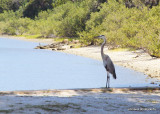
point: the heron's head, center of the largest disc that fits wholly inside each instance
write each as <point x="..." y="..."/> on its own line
<point x="100" y="37"/>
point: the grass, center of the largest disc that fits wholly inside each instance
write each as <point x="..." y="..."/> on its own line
<point x="123" y="49"/>
<point x="30" y="36"/>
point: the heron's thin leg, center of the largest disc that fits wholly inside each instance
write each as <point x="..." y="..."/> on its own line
<point x="107" y="83"/>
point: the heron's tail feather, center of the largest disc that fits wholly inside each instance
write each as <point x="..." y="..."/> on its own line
<point x="114" y="75"/>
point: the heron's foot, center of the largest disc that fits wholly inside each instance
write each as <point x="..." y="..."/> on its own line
<point x="107" y="87"/>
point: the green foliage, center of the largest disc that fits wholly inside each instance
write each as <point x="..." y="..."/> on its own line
<point x="43" y="14"/>
<point x="35" y="6"/>
<point x="6" y="5"/>
<point x="95" y="25"/>
<point x="7" y="15"/>
<point x="16" y="26"/>
<point x="137" y="28"/>
<point x="2" y="27"/>
<point x="65" y="20"/>
<point x="125" y="27"/>
<point x="72" y="19"/>
<point x="57" y="3"/>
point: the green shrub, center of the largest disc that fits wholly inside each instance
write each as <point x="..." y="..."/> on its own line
<point x="137" y="28"/>
<point x="17" y="26"/>
<point x="2" y="27"/>
<point x="7" y="15"/>
<point x="74" y="21"/>
<point x="100" y="21"/>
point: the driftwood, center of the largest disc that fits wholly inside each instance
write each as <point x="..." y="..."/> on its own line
<point x="65" y="44"/>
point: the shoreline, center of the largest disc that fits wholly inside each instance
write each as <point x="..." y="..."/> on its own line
<point x="73" y="92"/>
<point x="136" y="60"/>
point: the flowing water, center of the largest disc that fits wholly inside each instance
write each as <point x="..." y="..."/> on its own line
<point x="25" y="68"/>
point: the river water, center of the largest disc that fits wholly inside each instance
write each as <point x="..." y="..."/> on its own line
<point x="24" y="68"/>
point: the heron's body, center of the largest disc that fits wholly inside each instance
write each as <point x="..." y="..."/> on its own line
<point x="109" y="66"/>
<point x="107" y="62"/>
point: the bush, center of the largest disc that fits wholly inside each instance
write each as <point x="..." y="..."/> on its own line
<point x="136" y="28"/>
<point x="68" y="19"/>
<point x="74" y="21"/>
<point x="35" y="6"/>
<point x="7" y="15"/>
<point x="17" y="27"/>
<point x="99" y="22"/>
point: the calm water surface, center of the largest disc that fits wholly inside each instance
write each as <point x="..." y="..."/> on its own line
<point x="25" y="68"/>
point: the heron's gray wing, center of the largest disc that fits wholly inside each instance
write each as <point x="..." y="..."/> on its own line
<point x="109" y="65"/>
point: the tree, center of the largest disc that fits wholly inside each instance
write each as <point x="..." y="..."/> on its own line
<point x="35" y="6"/>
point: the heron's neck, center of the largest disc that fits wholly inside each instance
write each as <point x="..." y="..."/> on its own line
<point x="102" y="47"/>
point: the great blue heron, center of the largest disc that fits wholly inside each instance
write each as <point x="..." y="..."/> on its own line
<point x="107" y="62"/>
